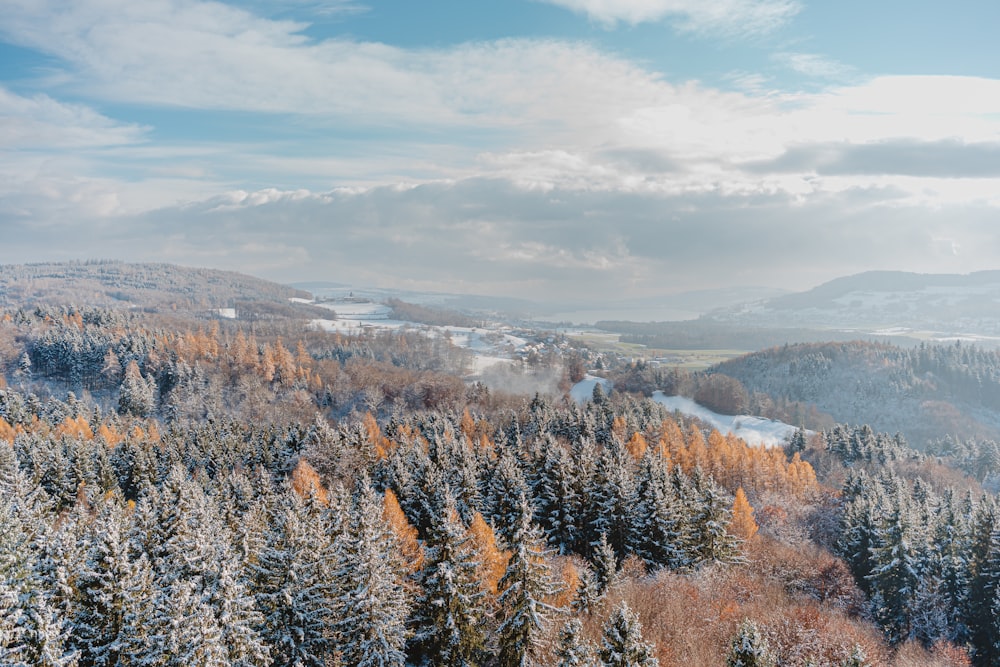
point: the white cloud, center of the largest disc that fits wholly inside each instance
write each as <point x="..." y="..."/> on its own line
<point x="722" y="17"/>
<point x="813" y="65"/>
<point x="40" y="122"/>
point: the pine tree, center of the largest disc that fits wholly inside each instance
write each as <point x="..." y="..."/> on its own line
<point x="505" y="486"/>
<point x="588" y="594"/>
<point x="371" y="606"/>
<point x="663" y="535"/>
<point x="622" y="644"/>
<point x="137" y="394"/>
<point x="749" y="648"/>
<point x="615" y="499"/>
<point x="711" y="541"/>
<point x="524" y="587"/>
<point x="573" y="650"/>
<point x="556" y="499"/>
<point x="105" y="589"/>
<point x="294" y="586"/>
<point x="605" y="565"/>
<point x="895" y="572"/>
<point x="448" y="615"/>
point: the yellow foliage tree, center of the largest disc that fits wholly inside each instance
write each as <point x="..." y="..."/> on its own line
<point x="406" y="535"/>
<point x="379" y="443"/>
<point x="637" y="446"/>
<point x="7" y="431"/>
<point x="305" y="482"/>
<point x="742" y="524"/>
<point x="110" y="436"/>
<point x="492" y="561"/>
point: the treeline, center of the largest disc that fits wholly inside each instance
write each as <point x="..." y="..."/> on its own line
<point x="708" y="334"/>
<point x="106" y="282"/>
<point x="440" y="317"/>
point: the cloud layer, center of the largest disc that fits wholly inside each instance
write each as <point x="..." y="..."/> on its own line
<point x="545" y="165"/>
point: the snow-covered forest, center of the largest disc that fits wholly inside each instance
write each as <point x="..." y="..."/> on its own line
<point x="176" y="490"/>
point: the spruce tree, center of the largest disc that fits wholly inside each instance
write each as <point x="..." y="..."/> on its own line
<point x="371" y="606"/>
<point x="573" y="649"/>
<point x="448" y="615"/>
<point x="622" y="644"/>
<point x="749" y="648"/>
<point x="524" y="587"/>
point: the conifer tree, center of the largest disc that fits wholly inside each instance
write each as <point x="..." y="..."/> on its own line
<point x="605" y="565"/>
<point x="588" y="594"/>
<point x="857" y="658"/>
<point x="448" y="614"/>
<point x="712" y="541"/>
<point x="615" y="499"/>
<point x="661" y="529"/>
<point x="525" y="586"/>
<point x="742" y="523"/>
<point x="573" y="649"/>
<point x="106" y="591"/>
<point x="622" y="644"/>
<point x="749" y="648"/>
<point x="371" y="606"/>
<point x="294" y="588"/>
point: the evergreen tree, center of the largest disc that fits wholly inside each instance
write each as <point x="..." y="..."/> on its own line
<point x="749" y="648"/>
<point x="662" y="532"/>
<point x="605" y="566"/>
<point x="371" y="606"/>
<point x="524" y="587"/>
<point x="136" y="396"/>
<point x="857" y="658"/>
<point x="105" y="590"/>
<point x="895" y="572"/>
<point x="294" y="588"/>
<point x="573" y="650"/>
<point x="711" y="540"/>
<point x="448" y="615"/>
<point x="615" y="499"/>
<point x="622" y="644"/>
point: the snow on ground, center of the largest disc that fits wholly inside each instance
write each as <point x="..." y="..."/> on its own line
<point x="754" y="430"/>
<point x="489" y="347"/>
<point x="358" y="310"/>
<point x="356" y="326"/>
<point x="583" y="390"/>
<point x="295" y="299"/>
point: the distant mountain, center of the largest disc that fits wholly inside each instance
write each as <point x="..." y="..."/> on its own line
<point x="884" y="301"/>
<point x="111" y="283"/>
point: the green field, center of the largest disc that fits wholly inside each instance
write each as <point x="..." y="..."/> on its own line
<point x="687" y="359"/>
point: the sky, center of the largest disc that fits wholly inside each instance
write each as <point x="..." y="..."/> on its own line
<point x="544" y="149"/>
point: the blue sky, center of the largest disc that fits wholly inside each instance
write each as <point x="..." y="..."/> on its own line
<point x="563" y="149"/>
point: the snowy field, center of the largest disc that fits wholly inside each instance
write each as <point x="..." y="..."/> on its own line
<point x="583" y="390"/>
<point x="754" y="430"/>
<point x="490" y="346"/>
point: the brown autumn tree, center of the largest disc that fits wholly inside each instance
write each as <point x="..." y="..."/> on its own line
<point x="493" y="561"/>
<point x="406" y="535"/>
<point x="742" y="524"/>
<point x="305" y="482"/>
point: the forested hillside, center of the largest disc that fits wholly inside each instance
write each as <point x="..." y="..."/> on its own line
<point x="925" y="392"/>
<point x="104" y="283"/>
<point x="176" y="490"/>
